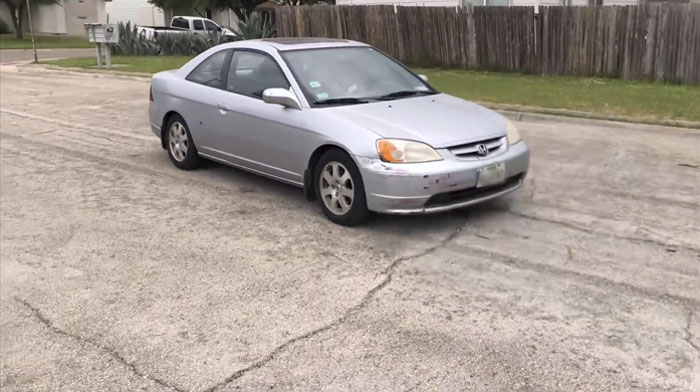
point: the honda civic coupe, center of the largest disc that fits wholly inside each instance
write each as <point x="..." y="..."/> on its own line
<point x="354" y="128"/>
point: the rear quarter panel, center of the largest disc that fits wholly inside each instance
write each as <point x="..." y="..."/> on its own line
<point x="173" y="93"/>
<point x="160" y="87"/>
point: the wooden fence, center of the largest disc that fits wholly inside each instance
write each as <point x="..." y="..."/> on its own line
<point x="653" y="42"/>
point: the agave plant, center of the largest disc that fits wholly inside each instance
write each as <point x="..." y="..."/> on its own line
<point x="255" y="25"/>
<point x="186" y="44"/>
<point x="208" y="40"/>
<point x="133" y="43"/>
<point x="175" y="44"/>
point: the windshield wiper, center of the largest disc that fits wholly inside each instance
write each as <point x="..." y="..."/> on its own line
<point x="405" y="93"/>
<point x="345" y="100"/>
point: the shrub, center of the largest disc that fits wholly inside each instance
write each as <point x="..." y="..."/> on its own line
<point x="254" y="26"/>
<point x="186" y="44"/>
<point x="131" y="42"/>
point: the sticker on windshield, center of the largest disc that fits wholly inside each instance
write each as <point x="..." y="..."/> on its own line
<point x="315" y="84"/>
<point x="421" y="88"/>
<point x="322" y="96"/>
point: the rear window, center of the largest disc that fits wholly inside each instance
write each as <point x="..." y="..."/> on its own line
<point x="198" y="25"/>
<point x="210" y="72"/>
<point x="180" y="23"/>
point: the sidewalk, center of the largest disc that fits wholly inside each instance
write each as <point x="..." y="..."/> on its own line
<point x="23" y="55"/>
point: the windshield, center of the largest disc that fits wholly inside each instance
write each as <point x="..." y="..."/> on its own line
<point x="352" y="75"/>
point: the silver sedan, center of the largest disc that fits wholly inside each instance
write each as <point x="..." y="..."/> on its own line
<point x="351" y="126"/>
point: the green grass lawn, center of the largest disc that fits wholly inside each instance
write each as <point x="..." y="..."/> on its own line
<point x="148" y="64"/>
<point x="9" y="41"/>
<point x="595" y="95"/>
<point x="642" y="100"/>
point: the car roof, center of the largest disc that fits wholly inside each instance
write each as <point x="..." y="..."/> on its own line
<point x="295" y="43"/>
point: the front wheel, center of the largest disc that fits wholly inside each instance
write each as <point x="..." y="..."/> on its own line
<point x="340" y="189"/>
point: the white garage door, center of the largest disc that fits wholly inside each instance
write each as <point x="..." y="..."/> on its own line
<point x="135" y="11"/>
<point x="49" y="18"/>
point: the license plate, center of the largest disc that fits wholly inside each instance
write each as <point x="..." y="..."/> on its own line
<point x="491" y="175"/>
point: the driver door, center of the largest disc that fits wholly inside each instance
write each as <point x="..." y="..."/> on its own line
<point x="261" y="137"/>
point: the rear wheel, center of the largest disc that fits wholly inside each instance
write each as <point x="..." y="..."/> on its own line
<point x="340" y="189"/>
<point x="181" y="149"/>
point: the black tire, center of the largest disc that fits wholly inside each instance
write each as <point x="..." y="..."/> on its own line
<point x="181" y="160"/>
<point x="357" y="212"/>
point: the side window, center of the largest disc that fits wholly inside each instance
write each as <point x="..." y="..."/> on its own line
<point x="210" y="71"/>
<point x="209" y="25"/>
<point x="180" y="23"/>
<point x="198" y="25"/>
<point x="251" y="73"/>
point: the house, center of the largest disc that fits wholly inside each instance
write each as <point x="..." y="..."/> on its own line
<point x="138" y="12"/>
<point x="68" y="16"/>
<point x="65" y="17"/>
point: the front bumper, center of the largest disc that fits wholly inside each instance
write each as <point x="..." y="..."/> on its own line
<point x="420" y="188"/>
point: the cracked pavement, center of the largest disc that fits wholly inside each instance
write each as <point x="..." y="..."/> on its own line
<point x="118" y="272"/>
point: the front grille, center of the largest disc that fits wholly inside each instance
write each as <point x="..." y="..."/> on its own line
<point x="471" y="193"/>
<point x="492" y="146"/>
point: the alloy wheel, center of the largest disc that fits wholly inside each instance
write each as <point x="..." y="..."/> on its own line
<point x="336" y="188"/>
<point x="178" y="141"/>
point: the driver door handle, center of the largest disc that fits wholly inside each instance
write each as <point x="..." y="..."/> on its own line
<point x="223" y="108"/>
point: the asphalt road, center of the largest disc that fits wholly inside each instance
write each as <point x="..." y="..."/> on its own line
<point x="121" y="273"/>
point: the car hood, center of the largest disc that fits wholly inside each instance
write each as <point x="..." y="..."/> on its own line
<point x="439" y="120"/>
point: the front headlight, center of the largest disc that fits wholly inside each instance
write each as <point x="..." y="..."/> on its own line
<point x="406" y="151"/>
<point x="512" y="133"/>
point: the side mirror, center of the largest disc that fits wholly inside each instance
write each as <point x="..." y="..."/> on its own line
<point x="282" y="97"/>
<point x="425" y="78"/>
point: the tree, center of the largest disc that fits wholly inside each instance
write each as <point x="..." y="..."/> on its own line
<point x="18" y="10"/>
<point x="240" y="7"/>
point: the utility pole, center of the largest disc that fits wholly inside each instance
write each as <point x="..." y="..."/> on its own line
<point x="31" y="31"/>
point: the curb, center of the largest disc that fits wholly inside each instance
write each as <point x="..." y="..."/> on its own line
<point x="140" y="75"/>
<point x="96" y="72"/>
<point x="530" y="113"/>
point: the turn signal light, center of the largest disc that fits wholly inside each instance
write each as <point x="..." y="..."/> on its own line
<point x="388" y="151"/>
<point x="406" y="151"/>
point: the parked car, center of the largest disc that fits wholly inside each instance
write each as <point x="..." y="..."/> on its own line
<point x="354" y="128"/>
<point x="188" y="25"/>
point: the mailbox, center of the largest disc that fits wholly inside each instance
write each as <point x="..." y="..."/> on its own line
<point x="103" y="35"/>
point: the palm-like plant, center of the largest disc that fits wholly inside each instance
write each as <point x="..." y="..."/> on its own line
<point x="254" y="26"/>
<point x="133" y="43"/>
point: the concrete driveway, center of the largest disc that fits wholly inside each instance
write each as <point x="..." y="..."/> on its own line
<point x="121" y="273"/>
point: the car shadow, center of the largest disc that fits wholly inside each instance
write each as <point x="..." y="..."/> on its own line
<point x="379" y="224"/>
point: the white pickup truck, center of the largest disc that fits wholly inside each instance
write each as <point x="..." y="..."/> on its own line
<point x="188" y="25"/>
